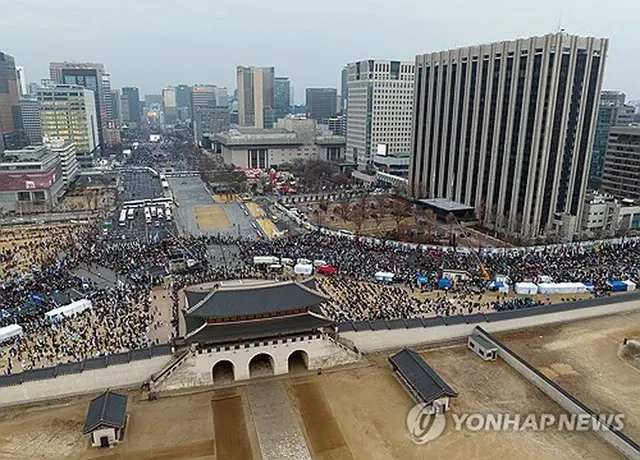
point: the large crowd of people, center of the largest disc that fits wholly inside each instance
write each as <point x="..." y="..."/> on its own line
<point x="120" y="320"/>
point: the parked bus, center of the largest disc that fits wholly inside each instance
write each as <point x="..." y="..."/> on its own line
<point x="154" y="213"/>
<point x="168" y="214"/>
<point x="160" y="213"/>
<point x="130" y="214"/>
<point x="123" y="218"/>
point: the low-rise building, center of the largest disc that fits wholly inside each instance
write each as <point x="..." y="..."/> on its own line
<point x="607" y="216"/>
<point x="68" y="159"/>
<point x="292" y="139"/>
<point x="31" y="179"/>
<point x="396" y="164"/>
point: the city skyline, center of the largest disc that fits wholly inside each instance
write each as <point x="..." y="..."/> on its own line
<point x="165" y="32"/>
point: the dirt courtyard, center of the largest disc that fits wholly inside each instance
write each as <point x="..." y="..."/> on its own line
<point x="211" y="217"/>
<point x="587" y="359"/>
<point x="356" y="412"/>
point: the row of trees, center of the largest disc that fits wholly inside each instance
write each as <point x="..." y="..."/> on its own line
<point x="379" y="210"/>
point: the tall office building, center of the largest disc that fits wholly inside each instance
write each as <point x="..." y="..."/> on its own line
<point x="106" y="98"/>
<point x="10" y="117"/>
<point x="183" y="102"/>
<point x="134" y="108"/>
<point x="207" y="116"/>
<point x="621" y="175"/>
<point x="508" y="128"/>
<point x="612" y="111"/>
<point x="88" y="75"/>
<point x="321" y="103"/>
<point x="256" y="96"/>
<point x="379" y="109"/>
<point x="282" y="97"/>
<point x="344" y="89"/>
<point x="31" y="123"/>
<point x="170" y="106"/>
<point x="68" y="112"/>
<point x="116" y="104"/>
<point x="21" y="78"/>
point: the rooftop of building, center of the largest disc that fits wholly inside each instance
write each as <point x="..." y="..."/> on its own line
<point x="30" y="153"/>
<point x="445" y="204"/>
<point x="225" y="301"/>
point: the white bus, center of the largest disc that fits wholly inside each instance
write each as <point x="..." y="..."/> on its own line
<point x="130" y="214"/>
<point x="123" y="218"/>
<point x="154" y="212"/>
<point x="168" y="214"/>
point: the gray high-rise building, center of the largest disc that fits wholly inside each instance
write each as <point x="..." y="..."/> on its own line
<point x="133" y="111"/>
<point x="183" y="102"/>
<point x="169" y="106"/>
<point x="321" y="103"/>
<point x="621" y="176"/>
<point x="379" y="109"/>
<point x="612" y="111"/>
<point x="344" y="89"/>
<point x="31" y="121"/>
<point x="508" y="128"/>
<point x="207" y="116"/>
<point x="282" y="97"/>
<point x="256" y="96"/>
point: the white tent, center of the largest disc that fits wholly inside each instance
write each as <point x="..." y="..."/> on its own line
<point x="384" y="276"/>
<point x="526" y="288"/>
<point x="631" y="286"/>
<point x="265" y="260"/>
<point x="561" y="288"/>
<point x="67" y="310"/>
<point x="11" y="331"/>
<point x="303" y="269"/>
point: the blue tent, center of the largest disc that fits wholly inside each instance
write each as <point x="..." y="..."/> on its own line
<point x="617" y="285"/>
<point x="444" y="283"/>
<point x="590" y="286"/>
<point x="422" y="279"/>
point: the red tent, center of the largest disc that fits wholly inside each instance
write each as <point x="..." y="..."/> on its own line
<point x="326" y="269"/>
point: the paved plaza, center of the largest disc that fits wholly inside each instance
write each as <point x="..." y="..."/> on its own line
<point x="194" y="199"/>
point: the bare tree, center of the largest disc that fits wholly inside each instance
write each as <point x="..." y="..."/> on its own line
<point x="358" y="215"/>
<point x="623" y="228"/>
<point x="480" y="210"/>
<point x="343" y="210"/>
<point x="323" y="205"/>
<point x="399" y="210"/>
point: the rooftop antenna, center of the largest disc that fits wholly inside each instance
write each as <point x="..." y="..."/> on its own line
<point x="560" y="29"/>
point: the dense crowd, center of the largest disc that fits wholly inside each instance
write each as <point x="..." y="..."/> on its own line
<point x="37" y="273"/>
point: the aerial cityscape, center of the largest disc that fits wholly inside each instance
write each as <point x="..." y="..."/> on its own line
<point x="432" y="253"/>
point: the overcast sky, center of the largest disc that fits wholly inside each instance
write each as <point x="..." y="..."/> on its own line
<point x="156" y="43"/>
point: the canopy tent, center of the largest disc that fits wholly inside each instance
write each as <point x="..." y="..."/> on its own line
<point x="526" y="288"/>
<point x="631" y="286"/>
<point x="303" y="269"/>
<point x="421" y="279"/>
<point x="265" y="260"/>
<point x="326" y="269"/>
<point x="617" y="286"/>
<point x="10" y="331"/>
<point x="385" y="277"/>
<point x="589" y="285"/>
<point x="561" y="288"/>
<point x="499" y="286"/>
<point x="444" y="283"/>
<point x="65" y="311"/>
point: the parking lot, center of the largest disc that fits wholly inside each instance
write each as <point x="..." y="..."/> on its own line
<point x="194" y="200"/>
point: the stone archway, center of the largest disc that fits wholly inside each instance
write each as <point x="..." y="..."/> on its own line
<point x="298" y="361"/>
<point x="223" y="372"/>
<point x="261" y="365"/>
